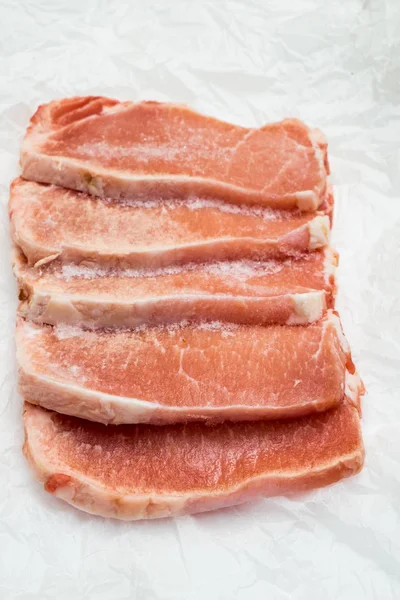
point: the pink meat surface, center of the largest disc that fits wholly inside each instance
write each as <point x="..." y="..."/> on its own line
<point x="142" y="472"/>
<point x="49" y="222"/>
<point x="122" y="149"/>
<point x="288" y="291"/>
<point x="179" y="373"/>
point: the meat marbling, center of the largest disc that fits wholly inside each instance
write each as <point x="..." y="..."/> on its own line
<point x="210" y="371"/>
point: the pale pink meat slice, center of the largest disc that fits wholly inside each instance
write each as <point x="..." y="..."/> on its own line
<point x="288" y="291"/>
<point x="49" y="222"/>
<point x="108" y="148"/>
<point x="143" y="471"/>
<point x="180" y="373"/>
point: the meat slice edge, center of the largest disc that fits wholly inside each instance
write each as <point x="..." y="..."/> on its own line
<point x="143" y="472"/>
<point x="183" y="373"/>
<point x="120" y="150"/>
<point x="288" y="291"/>
<point x="49" y="222"/>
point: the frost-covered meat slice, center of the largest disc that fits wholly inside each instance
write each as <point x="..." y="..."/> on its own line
<point x="143" y="471"/>
<point x="180" y="373"/>
<point x="49" y="222"/>
<point x="120" y="150"/>
<point x="289" y="291"/>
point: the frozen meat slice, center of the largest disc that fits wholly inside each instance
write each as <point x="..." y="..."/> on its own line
<point x="289" y="291"/>
<point x="143" y="471"/>
<point x="210" y="371"/>
<point x="122" y="149"/>
<point x="49" y="222"/>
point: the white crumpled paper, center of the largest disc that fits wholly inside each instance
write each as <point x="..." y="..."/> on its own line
<point x="336" y="65"/>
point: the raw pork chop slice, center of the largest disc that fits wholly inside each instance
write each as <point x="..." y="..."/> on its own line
<point x="49" y="222"/>
<point x="290" y="291"/>
<point x="143" y="471"/>
<point x="120" y="150"/>
<point x="181" y="373"/>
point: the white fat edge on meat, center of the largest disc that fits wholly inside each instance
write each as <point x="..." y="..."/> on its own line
<point x="353" y="388"/>
<point x="319" y="229"/>
<point x="317" y="139"/>
<point x="308" y="307"/>
<point x="329" y="264"/>
<point x="328" y="321"/>
<point x="334" y="320"/>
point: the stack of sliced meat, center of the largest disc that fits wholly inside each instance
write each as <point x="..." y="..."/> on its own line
<point x="177" y="343"/>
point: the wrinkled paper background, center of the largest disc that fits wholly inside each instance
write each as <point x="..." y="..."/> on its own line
<point x="335" y="65"/>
